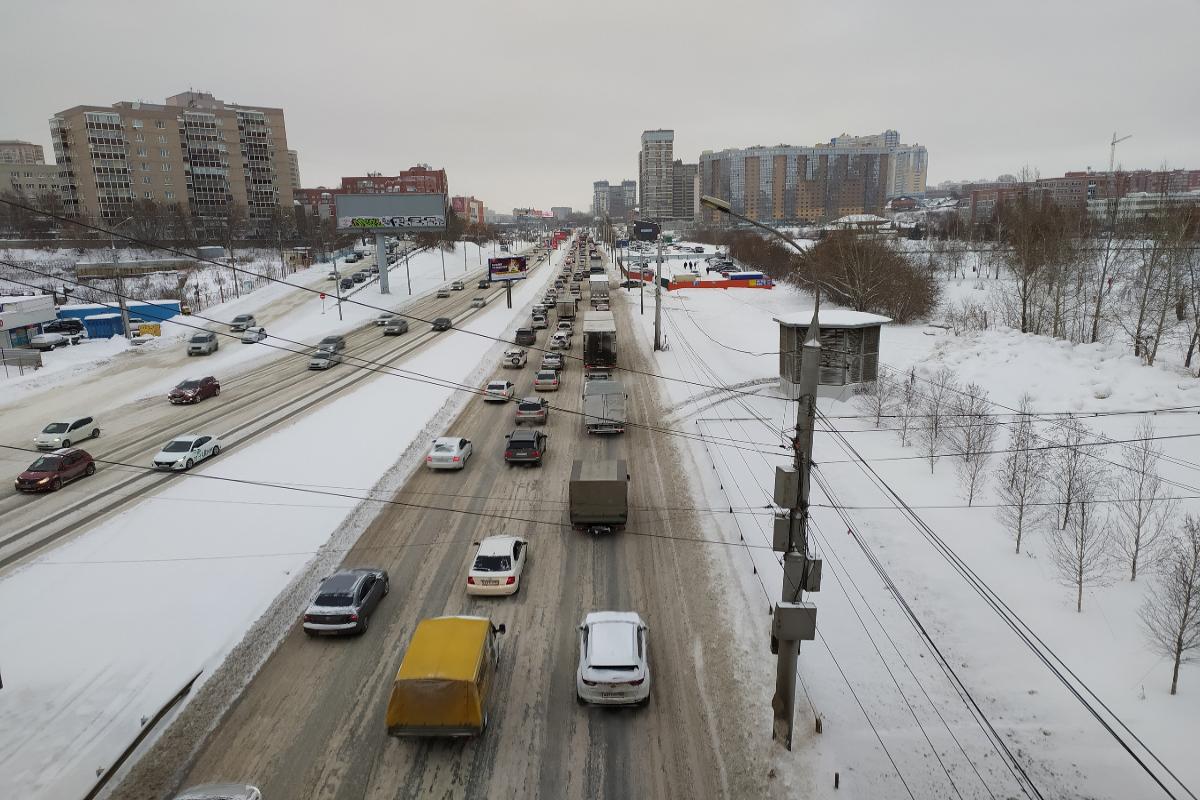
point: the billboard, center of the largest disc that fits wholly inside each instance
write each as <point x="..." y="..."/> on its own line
<point x="508" y="268"/>
<point x="392" y="212"/>
<point x="645" y="231"/>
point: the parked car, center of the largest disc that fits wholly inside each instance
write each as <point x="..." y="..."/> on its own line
<point x="345" y="601"/>
<point x="525" y="446"/>
<point x="63" y="432"/>
<point x="533" y="410"/>
<point x="324" y="359"/>
<point x="442" y="324"/>
<point x="554" y="361"/>
<point x="194" y="390"/>
<point x="525" y="337"/>
<point x="560" y="340"/>
<point x="383" y="318"/>
<point x="221" y="791"/>
<point x="374" y="270"/>
<point x="49" y="472"/>
<point x="202" y="344"/>
<point x="347" y="283"/>
<point x="332" y="342"/>
<point x="333" y="276"/>
<point x="538" y="322"/>
<point x="457" y="286"/>
<point x="395" y="327"/>
<point x="478" y="302"/>
<point x="546" y="380"/>
<point x="449" y="452"/>
<point x="515" y="357"/>
<point x="241" y="322"/>
<point x="359" y="277"/>
<point x="184" y="452"/>
<point x="498" y="565"/>
<point x="614" y="663"/>
<point x="49" y="341"/>
<point x="67" y="326"/>
<point x="443" y="292"/>
<point x="253" y="335"/>
<point x="499" y="391"/>
<point x="484" y="283"/>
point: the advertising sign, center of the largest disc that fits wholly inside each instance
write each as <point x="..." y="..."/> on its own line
<point x="391" y="212"/>
<point x="645" y="231"/>
<point x="509" y="268"/>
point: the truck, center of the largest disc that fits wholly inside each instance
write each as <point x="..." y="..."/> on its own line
<point x="604" y="406"/>
<point x="599" y="340"/>
<point x="598" y="495"/>
<point x="566" y="308"/>
<point x="598" y="288"/>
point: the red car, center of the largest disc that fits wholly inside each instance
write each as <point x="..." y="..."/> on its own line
<point x="193" y="391"/>
<point x="52" y="470"/>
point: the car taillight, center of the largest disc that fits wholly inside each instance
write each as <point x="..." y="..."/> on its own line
<point x="510" y="580"/>
<point x="508" y="453"/>
<point x="308" y="618"/>
<point x="456" y="458"/>
<point x="470" y="581"/>
<point x="535" y="454"/>
<point x="354" y="616"/>
<point x="429" y="458"/>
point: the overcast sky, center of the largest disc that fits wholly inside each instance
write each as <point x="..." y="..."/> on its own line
<point x="525" y="103"/>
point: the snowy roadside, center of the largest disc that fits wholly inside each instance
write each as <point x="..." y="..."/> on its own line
<point x="869" y="671"/>
<point x="208" y="569"/>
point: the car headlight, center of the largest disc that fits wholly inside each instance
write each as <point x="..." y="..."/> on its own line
<point x="43" y="480"/>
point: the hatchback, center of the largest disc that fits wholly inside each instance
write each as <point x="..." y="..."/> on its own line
<point x="449" y="452"/>
<point x="614" y="663"/>
<point x="51" y="471"/>
<point x="525" y="446"/>
<point x="546" y="380"/>
<point x="345" y="601"/>
<point x="498" y="565"/>
<point x="499" y="391"/>
<point x="194" y="390"/>
<point x="242" y="322"/>
<point x="63" y="432"/>
<point x="533" y="410"/>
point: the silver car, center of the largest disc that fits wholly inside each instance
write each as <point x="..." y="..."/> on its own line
<point x="202" y="344"/>
<point x="221" y="791"/>
<point x="324" y="359"/>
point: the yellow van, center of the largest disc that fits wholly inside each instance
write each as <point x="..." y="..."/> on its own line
<point x="444" y="684"/>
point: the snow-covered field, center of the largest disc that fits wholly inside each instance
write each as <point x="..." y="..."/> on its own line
<point x="869" y="676"/>
<point x="108" y="627"/>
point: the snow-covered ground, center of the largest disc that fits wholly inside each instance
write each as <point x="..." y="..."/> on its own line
<point x="104" y="630"/>
<point x="869" y="675"/>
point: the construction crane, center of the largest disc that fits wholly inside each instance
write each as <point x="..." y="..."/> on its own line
<point x="1112" y="150"/>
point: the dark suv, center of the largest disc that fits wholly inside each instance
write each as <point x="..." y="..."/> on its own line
<point x="195" y="390"/>
<point x="335" y="342"/>
<point x="525" y="337"/>
<point x="52" y="470"/>
<point x="525" y="446"/>
<point x="345" y="601"/>
<point x="66" y="326"/>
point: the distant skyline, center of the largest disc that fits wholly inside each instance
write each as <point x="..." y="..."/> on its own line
<point x="527" y="105"/>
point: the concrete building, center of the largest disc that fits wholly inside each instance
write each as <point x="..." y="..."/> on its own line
<point x="655" y="174"/>
<point x="421" y="178"/>
<point x="30" y="181"/>
<point x="193" y="149"/>
<point x="468" y="209"/>
<point x="22" y="316"/>
<point x="294" y="168"/>
<point x="316" y="202"/>
<point x="1141" y="206"/>
<point x="908" y="165"/>
<point x="561" y="212"/>
<point x="600" y="195"/>
<point x="685" y="191"/>
<point x="629" y="195"/>
<point x="17" y="151"/>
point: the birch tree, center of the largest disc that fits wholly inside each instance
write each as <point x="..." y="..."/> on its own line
<point x="1069" y="468"/>
<point x="1144" y="508"/>
<point x="936" y="405"/>
<point x="1021" y="476"/>
<point x="1172" y="610"/>
<point x="908" y="405"/>
<point x="877" y="398"/>
<point x="971" y="437"/>
<point x="1081" y="552"/>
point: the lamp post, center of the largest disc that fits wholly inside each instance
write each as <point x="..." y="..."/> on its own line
<point x="792" y="620"/>
<point x="112" y="244"/>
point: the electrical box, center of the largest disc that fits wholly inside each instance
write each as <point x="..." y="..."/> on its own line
<point x="794" y="622"/>
<point x="787" y="487"/>
<point x="801" y="573"/>
<point x="780" y="534"/>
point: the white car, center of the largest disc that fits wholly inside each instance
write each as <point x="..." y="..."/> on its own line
<point x="601" y="306"/>
<point x="64" y="432"/>
<point x="242" y="322"/>
<point x="546" y="380"/>
<point x="324" y="359"/>
<point x="515" y="357"/>
<point x="499" y="391"/>
<point x="498" y="565"/>
<point x="566" y="326"/>
<point x="253" y="335"/>
<point x="449" y="452"/>
<point x="614" y="662"/>
<point x="478" y="302"/>
<point x="184" y="452"/>
<point x="561" y="340"/>
<point x="49" y="341"/>
<point x="538" y="321"/>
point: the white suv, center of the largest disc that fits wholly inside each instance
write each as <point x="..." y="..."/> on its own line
<point x="66" y="432"/>
<point x="614" y="662"/>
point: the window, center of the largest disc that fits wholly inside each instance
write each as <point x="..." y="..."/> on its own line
<point x="146" y="179"/>
<point x="162" y="153"/>
<point x="166" y="167"/>
<point x="145" y="167"/>
<point x="169" y="195"/>
<point x="158" y="123"/>
<point x="137" y="137"/>
<point x="167" y="181"/>
<point x="162" y="139"/>
<point x="148" y="195"/>
<point x="137" y="123"/>
<point x="141" y="151"/>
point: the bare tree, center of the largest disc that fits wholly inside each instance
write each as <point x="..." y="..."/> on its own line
<point x="877" y="398"/>
<point x="1021" y="476"/>
<point x="1172" y="610"/>
<point x="942" y="387"/>
<point x="908" y="405"/>
<point x="1082" y="551"/>
<point x="1070" y="467"/>
<point x="1040" y="239"/>
<point x="971" y="436"/>
<point x="1144" y="510"/>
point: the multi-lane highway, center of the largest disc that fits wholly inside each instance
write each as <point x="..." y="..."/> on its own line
<point x="310" y="723"/>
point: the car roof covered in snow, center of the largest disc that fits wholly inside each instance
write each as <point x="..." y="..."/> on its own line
<point x="612" y="638"/>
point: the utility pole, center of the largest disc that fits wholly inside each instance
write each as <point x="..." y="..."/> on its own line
<point x="658" y="298"/>
<point x="381" y="263"/>
<point x="112" y="244"/>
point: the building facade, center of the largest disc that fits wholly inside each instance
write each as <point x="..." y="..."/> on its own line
<point x="17" y="151"/>
<point x="421" y="178"/>
<point x="561" y="212"/>
<point x="294" y="168"/>
<point x="685" y="191"/>
<point x="655" y="174"/>
<point x="316" y="202"/>
<point x="468" y="209"/>
<point x="30" y="181"/>
<point x="600" y="195"/>
<point x="193" y="149"/>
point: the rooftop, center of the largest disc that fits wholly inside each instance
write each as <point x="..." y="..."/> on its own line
<point x="833" y="318"/>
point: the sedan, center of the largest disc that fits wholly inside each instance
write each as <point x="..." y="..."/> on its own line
<point x="533" y="410"/>
<point x="553" y="361"/>
<point x="515" y="357"/>
<point x="359" y="277"/>
<point x="443" y="292"/>
<point x="324" y="359"/>
<point x="614" y="663"/>
<point x="334" y="341"/>
<point x="64" y="431"/>
<point x="253" y="335"/>
<point x="184" y="452"/>
<point x="457" y="286"/>
<point x="345" y="601"/>
<point x="525" y="446"/>
<point x="484" y="283"/>
<point x="478" y="302"/>
<point x="499" y="562"/>
<point x="395" y="327"/>
<point x="383" y="318"/>
<point x="449" y="453"/>
<point x="442" y="324"/>
<point x="194" y="390"/>
<point x="51" y="471"/>
<point x="546" y="380"/>
<point x="499" y="391"/>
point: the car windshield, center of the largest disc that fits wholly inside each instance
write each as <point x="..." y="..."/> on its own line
<point x="334" y="599"/>
<point x="46" y="464"/>
<point x="546" y="376"/>
<point x="200" y="337"/>
<point x="187" y="386"/>
<point x="178" y="446"/>
<point x="56" y="427"/>
<point x="443" y="447"/>
<point x="243" y="318"/>
<point x="497" y="387"/>
<point x="492" y="563"/>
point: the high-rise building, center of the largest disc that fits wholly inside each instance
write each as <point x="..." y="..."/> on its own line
<point x="294" y="168"/>
<point x="16" y="151"/>
<point x="655" y="173"/>
<point x="561" y="212"/>
<point x="685" y="191"/>
<point x="600" y="195"/>
<point x="629" y="195"/>
<point x="908" y="167"/>
<point x="193" y="149"/>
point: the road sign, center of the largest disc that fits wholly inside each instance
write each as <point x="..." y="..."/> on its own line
<point x="322" y="295"/>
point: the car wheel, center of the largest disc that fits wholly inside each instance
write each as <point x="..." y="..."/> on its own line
<point x="362" y="624"/>
<point x="56" y="484"/>
<point x="307" y="632"/>
<point x="95" y="433"/>
<point x="188" y="464"/>
<point x="644" y="703"/>
<point x="66" y="443"/>
<point x="91" y="469"/>
<point x="217" y="392"/>
<point x="216" y="449"/>
<point x="387" y="587"/>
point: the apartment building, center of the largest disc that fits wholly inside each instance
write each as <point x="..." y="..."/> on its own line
<point x="421" y="178"/>
<point x="193" y="149"/>
<point x="655" y="173"/>
<point x="468" y="209"/>
<point x="17" y="151"/>
<point x="685" y="191"/>
<point x="294" y="168"/>
<point x="615" y="200"/>
<point x="600" y="196"/>
<point x="30" y="181"/>
<point x="316" y="202"/>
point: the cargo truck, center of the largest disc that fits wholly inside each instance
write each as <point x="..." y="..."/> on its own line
<point x="598" y="495"/>
<point x="598" y="289"/>
<point x="599" y="340"/>
<point x="604" y="406"/>
<point x="566" y="309"/>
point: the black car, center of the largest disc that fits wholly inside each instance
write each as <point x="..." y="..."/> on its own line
<point x="334" y="341"/>
<point x="525" y="446"/>
<point x="359" y="277"/>
<point x="442" y="324"/>
<point x="525" y="337"/>
<point x="484" y="283"/>
<point x="630" y="284"/>
<point x="345" y="601"/>
<point x="67" y="327"/>
<point x="347" y="283"/>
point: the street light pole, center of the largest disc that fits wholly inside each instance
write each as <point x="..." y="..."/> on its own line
<point x="112" y="244"/>
<point x="658" y="298"/>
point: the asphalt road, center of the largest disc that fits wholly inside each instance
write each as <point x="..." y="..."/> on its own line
<point x="310" y="724"/>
